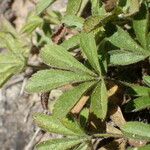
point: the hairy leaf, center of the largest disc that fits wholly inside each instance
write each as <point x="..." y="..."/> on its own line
<point x="73" y="7"/>
<point x="136" y="130"/>
<point x="88" y="45"/>
<point x="138" y="104"/>
<point x="73" y="125"/>
<point x="124" y="41"/>
<point x="99" y="100"/>
<point x="137" y="90"/>
<point x="10" y="64"/>
<point x="72" y="42"/>
<point x="69" y="99"/>
<point x="147" y="80"/>
<point x="73" y="21"/>
<point x="60" y="144"/>
<point x="51" y="124"/>
<point x="32" y="23"/>
<point x="141" y="25"/>
<point x="47" y="80"/>
<point x="42" y="5"/>
<point x="58" y="56"/>
<point x="123" y="57"/>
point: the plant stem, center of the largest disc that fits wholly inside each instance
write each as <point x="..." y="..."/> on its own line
<point x="105" y="135"/>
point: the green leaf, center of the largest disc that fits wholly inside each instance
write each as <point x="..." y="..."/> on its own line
<point x="73" y="7"/>
<point x="137" y="90"/>
<point x="47" y="80"/>
<point x="72" y="42"/>
<point x="6" y="27"/>
<point x="138" y="104"/>
<point x="10" y="64"/>
<point x="95" y="22"/>
<point x="15" y="44"/>
<point x="73" y="21"/>
<point x="42" y="5"/>
<point x="83" y="146"/>
<point x="95" y="7"/>
<point x="123" y="57"/>
<point x="136" y="130"/>
<point x="88" y="45"/>
<point x="51" y="124"/>
<point x="58" y="56"/>
<point x="60" y="144"/>
<point x="72" y="124"/>
<point x="124" y="41"/>
<point x="69" y="99"/>
<point x="99" y="100"/>
<point x="141" y="25"/>
<point x="147" y="80"/>
<point x="32" y="23"/>
<point x="132" y="7"/>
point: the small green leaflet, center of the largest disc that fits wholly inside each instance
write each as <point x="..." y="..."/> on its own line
<point x="123" y="40"/>
<point x="99" y="100"/>
<point x="42" y="5"/>
<point x="141" y="26"/>
<point x="123" y="57"/>
<point x="72" y="124"/>
<point x="47" y="80"/>
<point x="147" y="80"/>
<point x="52" y="124"/>
<point x="89" y="48"/>
<point x="136" y="130"/>
<point x="32" y="23"/>
<point x="69" y="99"/>
<point x="95" y="7"/>
<point x="73" y="7"/>
<point x="72" y="42"/>
<point x="138" y="104"/>
<point x="60" y="144"/>
<point x="58" y="56"/>
<point x="10" y="64"/>
<point x="73" y="21"/>
<point x="136" y="90"/>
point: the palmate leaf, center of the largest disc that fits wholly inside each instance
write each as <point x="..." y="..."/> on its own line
<point x="42" y="5"/>
<point x="10" y="64"/>
<point x="52" y="124"/>
<point x="136" y="130"/>
<point x="122" y="57"/>
<point x="141" y="25"/>
<point x="124" y="41"/>
<point x="69" y="99"/>
<point x="147" y="80"/>
<point x="88" y="45"/>
<point x="58" y="56"/>
<point x="138" y="104"/>
<point x="99" y="100"/>
<point x="47" y="80"/>
<point x="61" y="144"/>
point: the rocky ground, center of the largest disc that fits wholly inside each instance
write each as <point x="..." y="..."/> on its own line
<point x="17" y="130"/>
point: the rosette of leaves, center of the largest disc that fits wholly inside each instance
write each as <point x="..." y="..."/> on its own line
<point x="69" y="71"/>
<point x="14" y="59"/>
